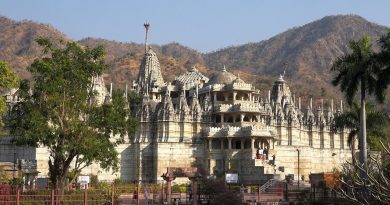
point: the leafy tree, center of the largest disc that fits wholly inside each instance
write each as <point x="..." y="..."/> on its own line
<point x="58" y="114"/>
<point x="218" y="192"/>
<point x="356" y="72"/>
<point x="376" y="124"/>
<point x="8" y="79"/>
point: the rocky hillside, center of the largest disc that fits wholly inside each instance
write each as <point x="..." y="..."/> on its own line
<point x="125" y="59"/>
<point x="17" y="42"/>
<point x="307" y="50"/>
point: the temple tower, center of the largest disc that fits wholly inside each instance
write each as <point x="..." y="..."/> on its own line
<point x="149" y="76"/>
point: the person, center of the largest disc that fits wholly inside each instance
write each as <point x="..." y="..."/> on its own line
<point x="273" y="159"/>
<point x="265" y="152"/>
<point x="190" y="194"/>
<point x="242" y="191"/>
<point x="259" y="153"/>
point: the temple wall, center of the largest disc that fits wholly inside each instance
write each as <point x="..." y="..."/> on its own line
<point x="177" y="155"/>
<point x="9" y="152"/>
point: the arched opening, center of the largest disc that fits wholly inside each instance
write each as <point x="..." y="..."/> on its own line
<point x="229" y="118"/>
<point x="236" y="144"/>
<point x="220" y="96"/>
<point x="230" y="96"/>
<point x="247" y="118"/>
<point x="238" y="118"/>
<point x="239" y="96"/>
<point x="216" y="144"/>
<point x="258" y="143"/>
<point x="226" y="144"/>
<point x="254" y="118"/>
<point x="246" y="97"/>
<point x="217" y="119"/>
<point x="247" y="144"/>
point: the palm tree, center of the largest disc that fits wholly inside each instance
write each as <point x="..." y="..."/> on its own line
<point x="376" y="124"/>
<point x="354" y="70"/>
<point x="382" y="60"/>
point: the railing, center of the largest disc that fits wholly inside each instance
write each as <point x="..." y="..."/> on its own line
<point x="112" y="194"/>
<point x="267" y="185"/>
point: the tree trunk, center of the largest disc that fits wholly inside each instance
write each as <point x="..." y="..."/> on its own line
<point x="60" y="188"/>
<point x="58" y="174"/>
<point x="353" y="151"/>
<point x="363" y="134"/>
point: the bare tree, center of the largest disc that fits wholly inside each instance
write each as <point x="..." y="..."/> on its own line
<point x="373" y="187"/>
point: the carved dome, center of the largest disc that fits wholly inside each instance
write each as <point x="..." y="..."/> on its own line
<point x="223" y="77"/>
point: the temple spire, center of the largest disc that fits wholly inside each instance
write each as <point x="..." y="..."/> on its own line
<point x="299" y="103"/>
<point x="311" y="103"/>
<point x="110" y="90"/>
<point x="332" y="105"/>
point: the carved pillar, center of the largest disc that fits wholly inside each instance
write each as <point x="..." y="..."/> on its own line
<point x="168" y="179"/>
<point x="215" y="97"/>
<point x="230" y="143"/>
<point x="250" y="97"/>
<point x="162" y="193"/>
<point x="222" y="118"/>
<point x="252" y="143"/>
<point x="194" y="186"/>
<point x="210" y="144"/>
<point x="242" y="117"/>
<point x="138" y="190"/>
<point x="234" y="96"/>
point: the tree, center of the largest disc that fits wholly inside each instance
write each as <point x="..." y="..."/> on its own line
<point x="58" y="114"/>
<point x="382" y="60"/>
<point x="372" y="189"/>
<point x="8" y="79"/>
<point x="356" y="72"/>
<point x="376" y="124"/>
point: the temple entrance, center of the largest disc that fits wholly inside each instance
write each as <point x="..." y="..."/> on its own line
<point x="190" y="172"/>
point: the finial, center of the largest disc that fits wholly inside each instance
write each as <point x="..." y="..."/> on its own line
<point x="197" y="90"/>
<point x="146" y="25"/>
<point x="269" y="96"/>
<point x="167" y="92"/>
<point x="331" y="105"/>
<point x="294" y="102"/>
<point x="299" y="103"/>
<point x="285" y="65"/>
<point x="126" y="92"/>
<point x="311" y="103"/>
<point x="110" y="90"/>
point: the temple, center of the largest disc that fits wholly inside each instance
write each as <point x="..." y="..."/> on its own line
<point x="219" y="124"/>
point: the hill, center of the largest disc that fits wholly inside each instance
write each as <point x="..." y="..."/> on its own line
<point x="308" y="51"/>
<point x="125" y="59"/>
<point x="17" y="42"/>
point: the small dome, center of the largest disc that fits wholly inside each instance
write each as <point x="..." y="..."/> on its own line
<point x="280" y="79"/>
<point x="238" y="80"/>
<point x="223" y="77"/>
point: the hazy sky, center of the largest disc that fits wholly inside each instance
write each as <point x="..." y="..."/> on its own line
<point x="204" y="25"/>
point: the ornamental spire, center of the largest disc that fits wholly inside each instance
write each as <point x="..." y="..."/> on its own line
<point x="146" y="25"/>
